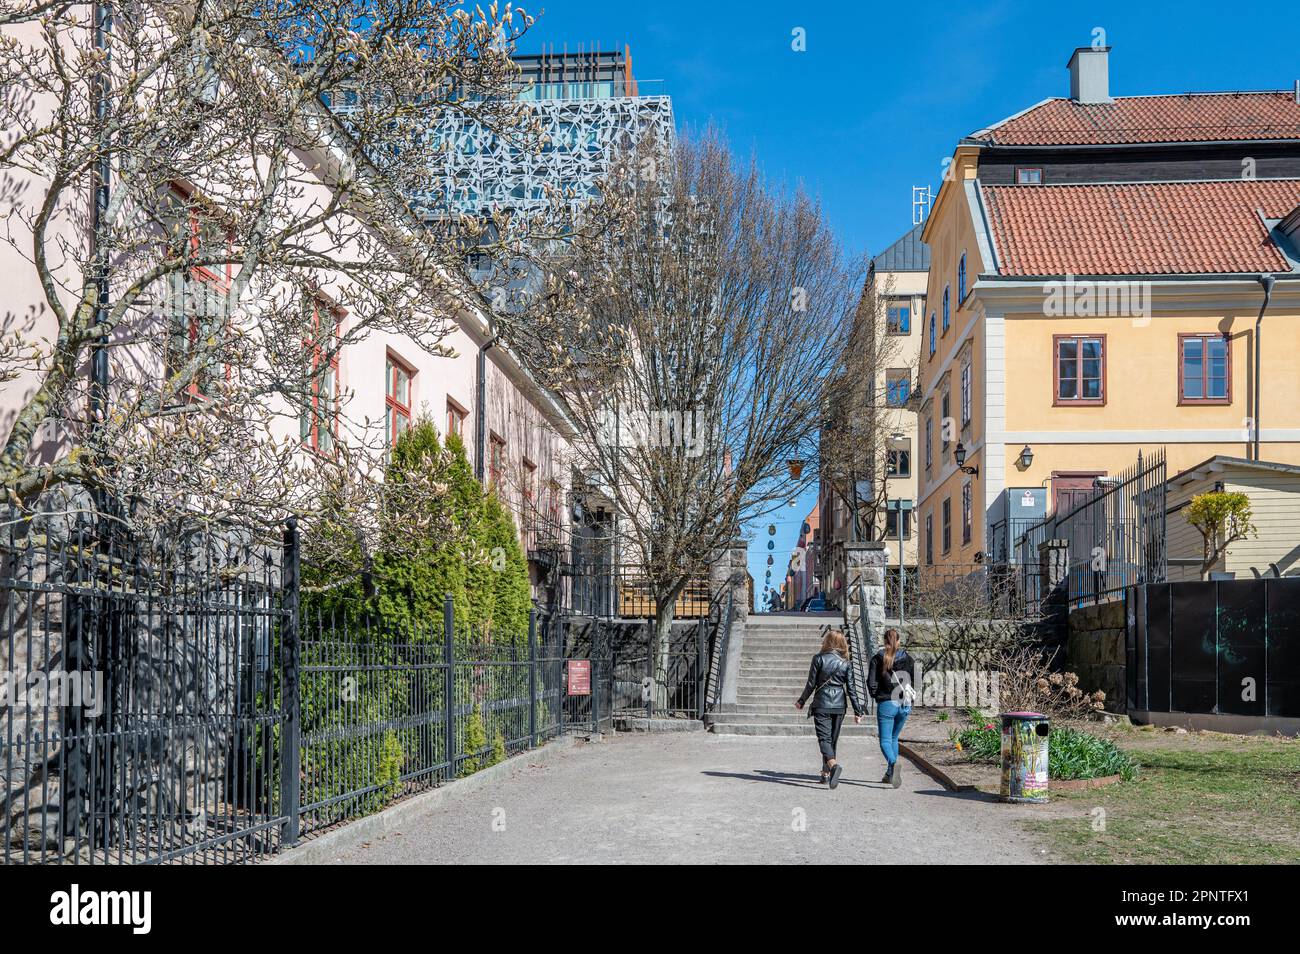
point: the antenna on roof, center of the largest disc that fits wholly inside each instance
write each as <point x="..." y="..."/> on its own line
<point x="921" y="200"/>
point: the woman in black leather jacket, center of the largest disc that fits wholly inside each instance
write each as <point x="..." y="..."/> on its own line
<point x="830" y="683"/>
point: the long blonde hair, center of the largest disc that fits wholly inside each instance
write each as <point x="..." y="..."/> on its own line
<point x="891" y="649"/>
<point x="834" y="641"/>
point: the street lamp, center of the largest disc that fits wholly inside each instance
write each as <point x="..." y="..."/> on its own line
<point x="959" y="455"/>
<point x="1026" y="458"/>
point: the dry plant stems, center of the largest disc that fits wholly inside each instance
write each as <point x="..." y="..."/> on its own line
<point x="692" y="339"/>
<point x="248" y="237"/>
<point x="967" y="626"/>
<point x="1026" y="683"/>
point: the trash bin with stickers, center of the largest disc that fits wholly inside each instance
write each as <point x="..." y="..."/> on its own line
<point x="1024" y="756"/>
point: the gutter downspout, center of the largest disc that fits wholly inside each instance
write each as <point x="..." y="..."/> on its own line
<point x="103" y="171"/>
<point x="480" y="411"/>
<point x="1267" y="281"/>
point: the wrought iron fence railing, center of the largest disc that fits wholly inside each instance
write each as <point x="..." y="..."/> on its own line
<point x="625" y="590"/>
<point x="1113" y="539"/>
<point x="167" y="699"/>
<point x="996" y="590"/>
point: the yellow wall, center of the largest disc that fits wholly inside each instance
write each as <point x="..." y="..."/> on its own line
<point x="1013" y="382"/>
<point x="950" y="233"/>
<point x="1142" y="372"/>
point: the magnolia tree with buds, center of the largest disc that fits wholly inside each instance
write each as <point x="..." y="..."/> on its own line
<point x="201" y="238"/>
<point x="692" y="339"/>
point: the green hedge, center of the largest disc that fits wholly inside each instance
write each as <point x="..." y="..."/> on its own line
<point x="480" y="562"/>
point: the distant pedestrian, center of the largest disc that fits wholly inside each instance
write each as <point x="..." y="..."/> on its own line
<point x="831" y="686"/>
<point x="890" y="679"/>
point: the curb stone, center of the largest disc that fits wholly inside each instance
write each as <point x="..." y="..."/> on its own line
<point x="929" y="768"/>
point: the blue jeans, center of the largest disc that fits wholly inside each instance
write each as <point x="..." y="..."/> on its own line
<point x="890" y="717"/>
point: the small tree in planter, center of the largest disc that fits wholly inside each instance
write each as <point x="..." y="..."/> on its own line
<point x="1222" y="518"/>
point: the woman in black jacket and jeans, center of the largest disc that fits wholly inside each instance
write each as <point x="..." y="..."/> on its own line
<point x="830" y="683"/>
<point x="890" y="677"/>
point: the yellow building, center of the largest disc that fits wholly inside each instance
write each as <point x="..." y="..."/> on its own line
<point x="1098" y="267"/>
<point x="897" y="277"/>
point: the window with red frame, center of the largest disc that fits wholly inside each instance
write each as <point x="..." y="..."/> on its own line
<point x="967" y="512"/>
<point x="531" y="520"/>
<point x="1204" y="369"/>
<point x="397" y="399"/>
<point x="197" y="298"/>
<point x="530" y="484"/>
<point x="496" y="461"/>
<point x="320" y="413"/>
<point x="553" y="508"/>
<point x="456" y="419"/>
<point x="1080" y="370"/>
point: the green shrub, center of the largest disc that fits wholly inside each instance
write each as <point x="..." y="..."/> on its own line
<point x="389" y="775"/>
<point x="498" y="749"/>
<point x="402" y="601"/>
<point x="1076" y="754"/>
<point x="475" y="742"/>
<point x="1071" y="754"/>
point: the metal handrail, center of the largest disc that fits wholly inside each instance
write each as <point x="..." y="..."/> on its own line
<point x="719" y="666"/>
<point x="866" y="644"/>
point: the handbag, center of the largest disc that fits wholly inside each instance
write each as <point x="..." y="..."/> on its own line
<point x="909" y="691"/>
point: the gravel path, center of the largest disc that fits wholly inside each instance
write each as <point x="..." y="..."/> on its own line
<point x="706" y="799"/>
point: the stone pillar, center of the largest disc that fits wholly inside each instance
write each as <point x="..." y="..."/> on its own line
<point x="730" y="576"/>
<point x="1054" y="579"/>
<point x="864" y="582"/>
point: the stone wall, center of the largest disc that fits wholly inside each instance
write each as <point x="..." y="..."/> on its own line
<point x="1095" y="651"/>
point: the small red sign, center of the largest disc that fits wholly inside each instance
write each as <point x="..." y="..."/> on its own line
<point x="579" y="677"/>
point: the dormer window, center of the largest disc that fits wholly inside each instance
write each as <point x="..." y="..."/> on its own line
<point x="1029" y="175"/>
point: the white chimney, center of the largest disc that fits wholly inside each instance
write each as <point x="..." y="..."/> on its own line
<point x="1090" y="75"/>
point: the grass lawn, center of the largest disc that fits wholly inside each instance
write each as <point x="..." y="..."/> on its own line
<point x="1200" y="798"/>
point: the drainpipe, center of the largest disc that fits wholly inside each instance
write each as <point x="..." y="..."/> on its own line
<point x="480" y="424"/>
<point x="99" y="208"/>
<point x="1268" y="282"/>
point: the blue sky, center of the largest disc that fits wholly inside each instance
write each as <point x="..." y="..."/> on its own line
<point x="883" y="91"/>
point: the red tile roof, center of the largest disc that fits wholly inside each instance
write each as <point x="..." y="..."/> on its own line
<point x="1149" y="228"/>
<point x="1193" y="117"/>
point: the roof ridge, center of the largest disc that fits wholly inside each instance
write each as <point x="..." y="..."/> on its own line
<point x="1135" y="182"/>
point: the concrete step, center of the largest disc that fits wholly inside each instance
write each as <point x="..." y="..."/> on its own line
<point x="784" y="707"/>
<point x="759" y="667"/>
<point x="772" y="681"/>
<point x="785" y="716"/>
<point x="780" y="728"/>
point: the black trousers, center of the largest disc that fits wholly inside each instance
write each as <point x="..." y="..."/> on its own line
<point x="828" y="726"/>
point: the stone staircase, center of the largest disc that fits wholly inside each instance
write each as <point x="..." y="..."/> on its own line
<point x="774" y="660"/>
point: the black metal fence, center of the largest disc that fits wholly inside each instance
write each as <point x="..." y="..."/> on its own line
<point x="602" y="589"/>
<point x="166" y="700"/>
<point x="667" y="681"/>
<point x="1114" y="539"/>
<point x="992" y="590"/>
<point x="139" y="720"/>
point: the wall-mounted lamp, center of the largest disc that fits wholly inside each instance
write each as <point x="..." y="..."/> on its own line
<point x="959" y="455"/>
<point x="1026" y="458"/>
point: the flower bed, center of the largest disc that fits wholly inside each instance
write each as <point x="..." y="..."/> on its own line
<point x="1072" y="754"/>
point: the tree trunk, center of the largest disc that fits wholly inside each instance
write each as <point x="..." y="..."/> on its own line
<point x="660" y="651"/>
